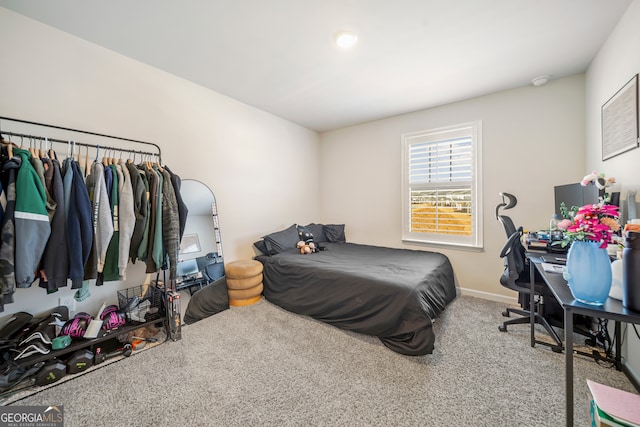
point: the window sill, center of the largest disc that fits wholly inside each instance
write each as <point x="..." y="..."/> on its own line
<point x="441" y="245"/>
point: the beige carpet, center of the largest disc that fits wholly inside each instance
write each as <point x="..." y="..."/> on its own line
<point x="262" y="366"/>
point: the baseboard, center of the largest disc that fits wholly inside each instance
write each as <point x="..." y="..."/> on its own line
<point x="489" y="296"/>
<point x="631" y="375"/>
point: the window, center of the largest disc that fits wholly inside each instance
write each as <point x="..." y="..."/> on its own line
<point x="441" y="189"/>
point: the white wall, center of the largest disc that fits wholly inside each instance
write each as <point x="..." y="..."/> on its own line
<point x="616" y="62"/>
<point x="249" y="158"/>
<point x="527" y="136"/>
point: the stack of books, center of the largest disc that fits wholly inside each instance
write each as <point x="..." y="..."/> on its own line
<point x="611" y="407"/>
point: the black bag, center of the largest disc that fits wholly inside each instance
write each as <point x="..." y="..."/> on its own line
<point x="207" y="301"/>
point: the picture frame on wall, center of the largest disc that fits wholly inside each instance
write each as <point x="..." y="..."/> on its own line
<point x="190" y="244"/>
<point x="620" y="121"/>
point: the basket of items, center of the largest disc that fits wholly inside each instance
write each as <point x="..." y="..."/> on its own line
<point x="141" y="303"/>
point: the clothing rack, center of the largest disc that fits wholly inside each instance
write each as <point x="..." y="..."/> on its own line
<point x="157" y="154"/>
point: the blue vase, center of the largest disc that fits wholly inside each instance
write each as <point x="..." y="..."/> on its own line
<point x="588" y="272"/>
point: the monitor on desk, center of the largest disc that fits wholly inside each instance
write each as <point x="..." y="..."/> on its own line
<point x="187" y="268"/>
<point x="574" y="195"/>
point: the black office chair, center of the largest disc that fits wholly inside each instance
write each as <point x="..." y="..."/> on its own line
<point x="516" y="277"/>
<point x="214" y="267"/>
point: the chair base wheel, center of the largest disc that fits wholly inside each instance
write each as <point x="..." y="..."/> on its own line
<point x="506" y="313"/>
<point x="556" y="349"/>
<point x="502" y="328"/>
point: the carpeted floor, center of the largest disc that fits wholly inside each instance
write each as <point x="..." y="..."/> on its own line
<point x="262" y="366"/>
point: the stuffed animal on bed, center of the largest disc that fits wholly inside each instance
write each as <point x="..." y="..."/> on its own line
<point x="306" y="248"/>
<point x="306" y="243"/>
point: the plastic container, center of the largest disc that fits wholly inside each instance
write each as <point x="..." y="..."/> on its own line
<point x="554" y="232"/>
<point x="553" y="223"/>
<point x="631" y="271"/>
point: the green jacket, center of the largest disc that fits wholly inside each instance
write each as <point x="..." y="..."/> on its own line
<point x="32" y="221"/>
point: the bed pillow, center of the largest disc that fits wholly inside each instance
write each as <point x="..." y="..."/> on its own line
<point x="334" y="233"/>
<point x="281" y="240"/>
<point x="317" y="230"/>
<point x="261" y="247"/>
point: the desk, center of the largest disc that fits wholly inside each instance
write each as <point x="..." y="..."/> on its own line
<point x="191" y="283"/>
<point x="612" y="309"/>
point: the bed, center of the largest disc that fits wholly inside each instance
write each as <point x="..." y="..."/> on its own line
<point x="393" y="294"/>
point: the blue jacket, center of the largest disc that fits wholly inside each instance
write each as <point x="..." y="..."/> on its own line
<point x="79" y="226"/>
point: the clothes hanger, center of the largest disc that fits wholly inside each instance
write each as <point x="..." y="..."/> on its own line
<point x="9" y="145"/>
<point x="105" y="159"/>
<point x="52" y="153"/>
<point x="87" y="162"/>
<point x="80" y="160"/>
<point x="158" y="165"/>
<point x="32" y="149"/>
<point x="41" y="153"/>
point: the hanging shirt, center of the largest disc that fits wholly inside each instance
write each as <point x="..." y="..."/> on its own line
<point x="126" y="219"/>
<point x="101" y="212"/>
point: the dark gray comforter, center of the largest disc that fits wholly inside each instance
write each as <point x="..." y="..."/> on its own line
<point x="390" y="293"/>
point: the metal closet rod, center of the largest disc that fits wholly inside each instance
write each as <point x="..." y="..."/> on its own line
<point x="97" y="146"/>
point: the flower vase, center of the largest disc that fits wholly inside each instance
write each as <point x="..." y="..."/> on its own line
<point x="588" y="272"/>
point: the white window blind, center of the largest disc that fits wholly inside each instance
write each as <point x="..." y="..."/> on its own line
<point x="440" y="203"/>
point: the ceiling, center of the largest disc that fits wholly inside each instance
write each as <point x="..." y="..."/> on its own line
<point x="279" y="55"/>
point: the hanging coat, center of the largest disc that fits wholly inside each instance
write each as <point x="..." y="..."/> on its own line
<point x="39" y="168"/>
<point x="183" y="211"/>
<point x="158" y="253"/>
<point x="111" y="272"/>
<point x="140" y="206"/>
<point x="56" y="255"/>
<point x="79" y="227"/>
<point x="32" y="221"/>
<point x="7" y="243"/>
<point x="170" y="225"/>
<point x="153" y="206"/>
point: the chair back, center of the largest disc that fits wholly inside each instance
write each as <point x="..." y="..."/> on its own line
<point x="214" y="266"/>
<point x="514" y="263"/>
<point x="507" y="223"/>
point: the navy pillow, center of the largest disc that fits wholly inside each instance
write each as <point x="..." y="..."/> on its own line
<point x="317" y="230"/>
<point x="334" y="233"/>
<point x="281" y="240"/>
<point x="261" y="246"/>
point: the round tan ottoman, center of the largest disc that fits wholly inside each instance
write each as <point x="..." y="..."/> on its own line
<point x="244" y="282"/>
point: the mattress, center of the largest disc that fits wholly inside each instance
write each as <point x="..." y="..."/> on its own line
<point x="393" y="294"/>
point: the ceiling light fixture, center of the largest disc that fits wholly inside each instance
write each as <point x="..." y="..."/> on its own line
<point x="540" y="80"/>
<point x="346" y="39"/>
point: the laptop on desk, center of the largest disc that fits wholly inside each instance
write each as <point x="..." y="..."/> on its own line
<point x="554" y="258"/>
